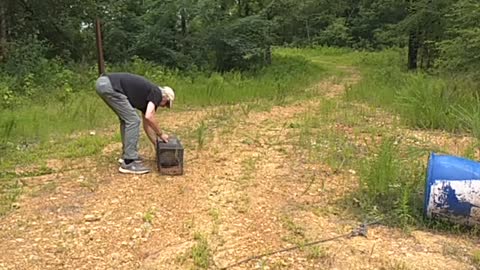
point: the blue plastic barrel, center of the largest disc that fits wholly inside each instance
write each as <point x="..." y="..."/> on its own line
<point x="453" y="189"/>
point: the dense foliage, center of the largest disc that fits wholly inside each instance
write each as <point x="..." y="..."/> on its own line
<point x="227" y="34"/>
<point x="44" y="44"/>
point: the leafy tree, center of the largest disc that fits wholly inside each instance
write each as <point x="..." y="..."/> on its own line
<point x="376" y="24"/>
<point x="235" y="34"/>
<point x="425" y="27"/>
<point x="336" y="34"/>
<point x="241" y="44"/>
<point x="460" y="50"/>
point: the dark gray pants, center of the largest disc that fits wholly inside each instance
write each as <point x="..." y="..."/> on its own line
<point x="129" y="119"/>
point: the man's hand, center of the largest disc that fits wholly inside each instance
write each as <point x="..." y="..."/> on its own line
<point x="164" y="137"/>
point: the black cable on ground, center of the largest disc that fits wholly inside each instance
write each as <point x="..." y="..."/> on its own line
<point x="361" y="230"/>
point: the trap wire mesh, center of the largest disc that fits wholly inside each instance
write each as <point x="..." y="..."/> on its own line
<point x="170" y="156"/>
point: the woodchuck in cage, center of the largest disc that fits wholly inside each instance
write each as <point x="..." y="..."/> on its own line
<point x="170" y="156"/>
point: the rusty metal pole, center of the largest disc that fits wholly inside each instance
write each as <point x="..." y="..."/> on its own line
<point x="101" y="61"/>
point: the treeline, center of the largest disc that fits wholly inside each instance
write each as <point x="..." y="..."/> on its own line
<point x="236" y="34"/>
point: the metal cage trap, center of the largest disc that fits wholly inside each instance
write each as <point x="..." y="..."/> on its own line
<point x="170" y="156"/>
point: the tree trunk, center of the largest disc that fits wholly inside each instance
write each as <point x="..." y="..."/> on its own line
<point x="3" y="30"/>
<point x="247" y="10"/>
<point x="268" y="55"/>
<point x="100" y="57"/>
<point x="183" y="20"/>
<point x="239" y="8"/>
<point x="223" y="5"/>
<point x="308" y="32"/>
<point x="412" y="50"/>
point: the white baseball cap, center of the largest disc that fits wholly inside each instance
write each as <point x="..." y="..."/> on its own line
<point x="169" y="93"/>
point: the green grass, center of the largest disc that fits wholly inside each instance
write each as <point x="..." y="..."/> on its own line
<point x="476" y="258"/>
<point x="391" y="174"/>
<point x="42" y="121"/>
<point x="392" y="181"/>
<point x="297" y="232"/>
<point x="31" y="158"/>
<point x="57" y="113"/>
<point x="288" y="73"/>
<point x="149" y="216"/>
<point x="63" y="112"/>
<point x="326" y="55"/>
<point x="249" y="166"/>
<point x="422" y="100"/>
<point x="35" y="155"/>
<point x="11" y="186"/>
<point x="200" y="134"/>
<point x="201" y="253"/>
<point x="323" y="142"/>
<point x="316" y="253"/>
<point x="10" y="189"/>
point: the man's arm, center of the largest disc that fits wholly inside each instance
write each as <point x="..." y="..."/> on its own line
<point x="150" y="124"/>
<point x="152" y="136"/>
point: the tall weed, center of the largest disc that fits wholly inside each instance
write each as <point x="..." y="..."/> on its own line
<point x="64" y="101"/>
<point x="422" y="100"/>
<point x="391" y="185"/>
